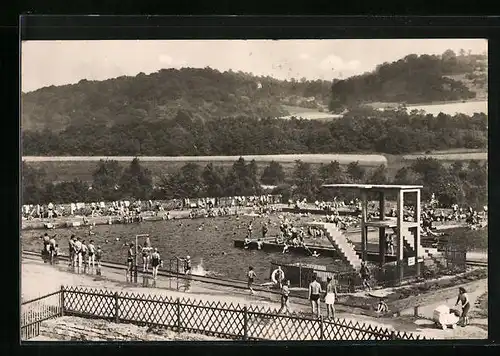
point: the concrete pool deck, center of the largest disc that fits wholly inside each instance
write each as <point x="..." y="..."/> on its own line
<point x="39" y="279"/>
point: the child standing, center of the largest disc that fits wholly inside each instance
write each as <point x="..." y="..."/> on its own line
<point x="285" y="294"/>
<point x="251" y="277"/>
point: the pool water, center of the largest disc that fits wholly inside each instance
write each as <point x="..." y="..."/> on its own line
<point x="209" y="243"/>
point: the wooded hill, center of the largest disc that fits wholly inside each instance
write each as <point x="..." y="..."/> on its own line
<point x="208" y="93"/>
<point x="415" y="79"/>
<point x="202" y="93"/>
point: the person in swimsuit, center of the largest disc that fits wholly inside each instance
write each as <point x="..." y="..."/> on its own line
<point x="285" y="296"/>
<point x="187" y="265"/>
<point x="98" y="258"/>
<point x="251" y="278"/>
<point x="52" y="248"/>
<point x="91" y="253"/>
<point x="280" y="277"/>
<point x="78" y="253"/>
<point x="365" y="276"/>
<point x="382" y="307"/>
<point x="46" y="247"/>
<point x="331" y="296"/>
<point x="463" y="299"/>
<point x="71" y="248"/>
<point x="264" y="230"/>
<point x="146" y="252"/>
<point x="130" y="258"/>
<point x="155" y="262"/>
<point x="56" y="254"/>
<point x="314" y="294"/>
<point x="85" y="250"/>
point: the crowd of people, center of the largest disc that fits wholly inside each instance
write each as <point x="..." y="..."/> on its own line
<point x="209" y="212"/>
<point x="82" y="255"/>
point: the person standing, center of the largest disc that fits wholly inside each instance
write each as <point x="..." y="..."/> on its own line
<point x="314" y="295"/>
<point x="146" y="252"/>
<point x="52" y="249"/>
<point x="331" y="296"/>
<point x="71" y="248"/>
<point x="91" y="254"/>
<point x="155" y="262"/>
<point x="250" y="228"/>
<point x="56" y="254"/>
<point x="463" y="299"/>
<point x="130" y="260"/>
<point x="187" y="265"/>
<point x="46" y="247"/>
<point x="78" y="253"/>
<point x="365" y="276"/>
<point x="251" y="278"/>
<point x="98" y="259"/>
<point x="265" y="229"/>
<point x="85" y="250"/>
<point x="280" y="277"/>
<point x="285" y="297"/>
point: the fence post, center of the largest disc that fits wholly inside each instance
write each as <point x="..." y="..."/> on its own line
<point x="415" y="311"/>
<point x="117" y="308"/>
<point x="300" y="275"/>
<point x="393" y="335"/>
<point x="321" y="326"/>
<point x="245" y="323"/>
<point x="61" y="300"/>
<point x="178" y="303"/>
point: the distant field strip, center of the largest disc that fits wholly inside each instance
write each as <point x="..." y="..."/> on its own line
<point x="483" y="156"/>
<point x="367" y="160"/>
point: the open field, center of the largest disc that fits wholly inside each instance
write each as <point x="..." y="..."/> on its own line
<point x="451" y="156"/>
<point x="69" y="168"/>
<point x="450" y="108"/>
<point x="467" y="108"/>
<point x="309" y="114"/>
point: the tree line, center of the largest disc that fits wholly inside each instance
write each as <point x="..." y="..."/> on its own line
<point x="361" y="130"/>
<point x="462" y="183"/>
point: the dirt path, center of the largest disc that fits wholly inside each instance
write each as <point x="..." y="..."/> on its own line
<point x="40" y="279"/>
<point x="80" y="329"/>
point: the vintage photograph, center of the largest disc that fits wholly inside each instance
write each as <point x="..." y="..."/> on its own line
<point x="246" y="190"/>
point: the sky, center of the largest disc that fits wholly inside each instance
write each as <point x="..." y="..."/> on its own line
<point x="45" y="63"/>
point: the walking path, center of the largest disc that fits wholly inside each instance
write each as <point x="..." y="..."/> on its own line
<point x="39" y="279"/>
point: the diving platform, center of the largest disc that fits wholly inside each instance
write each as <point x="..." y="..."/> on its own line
<point x="407" y="233"/>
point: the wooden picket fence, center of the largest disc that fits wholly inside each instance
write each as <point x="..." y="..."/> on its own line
<point x="36" y="311"/>
<point x="225" y="320"/>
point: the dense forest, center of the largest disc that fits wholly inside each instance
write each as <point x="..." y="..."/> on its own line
<point x="459" y="183"/>
<point x="414" y="79"/>
<point x="361" y="130"/>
